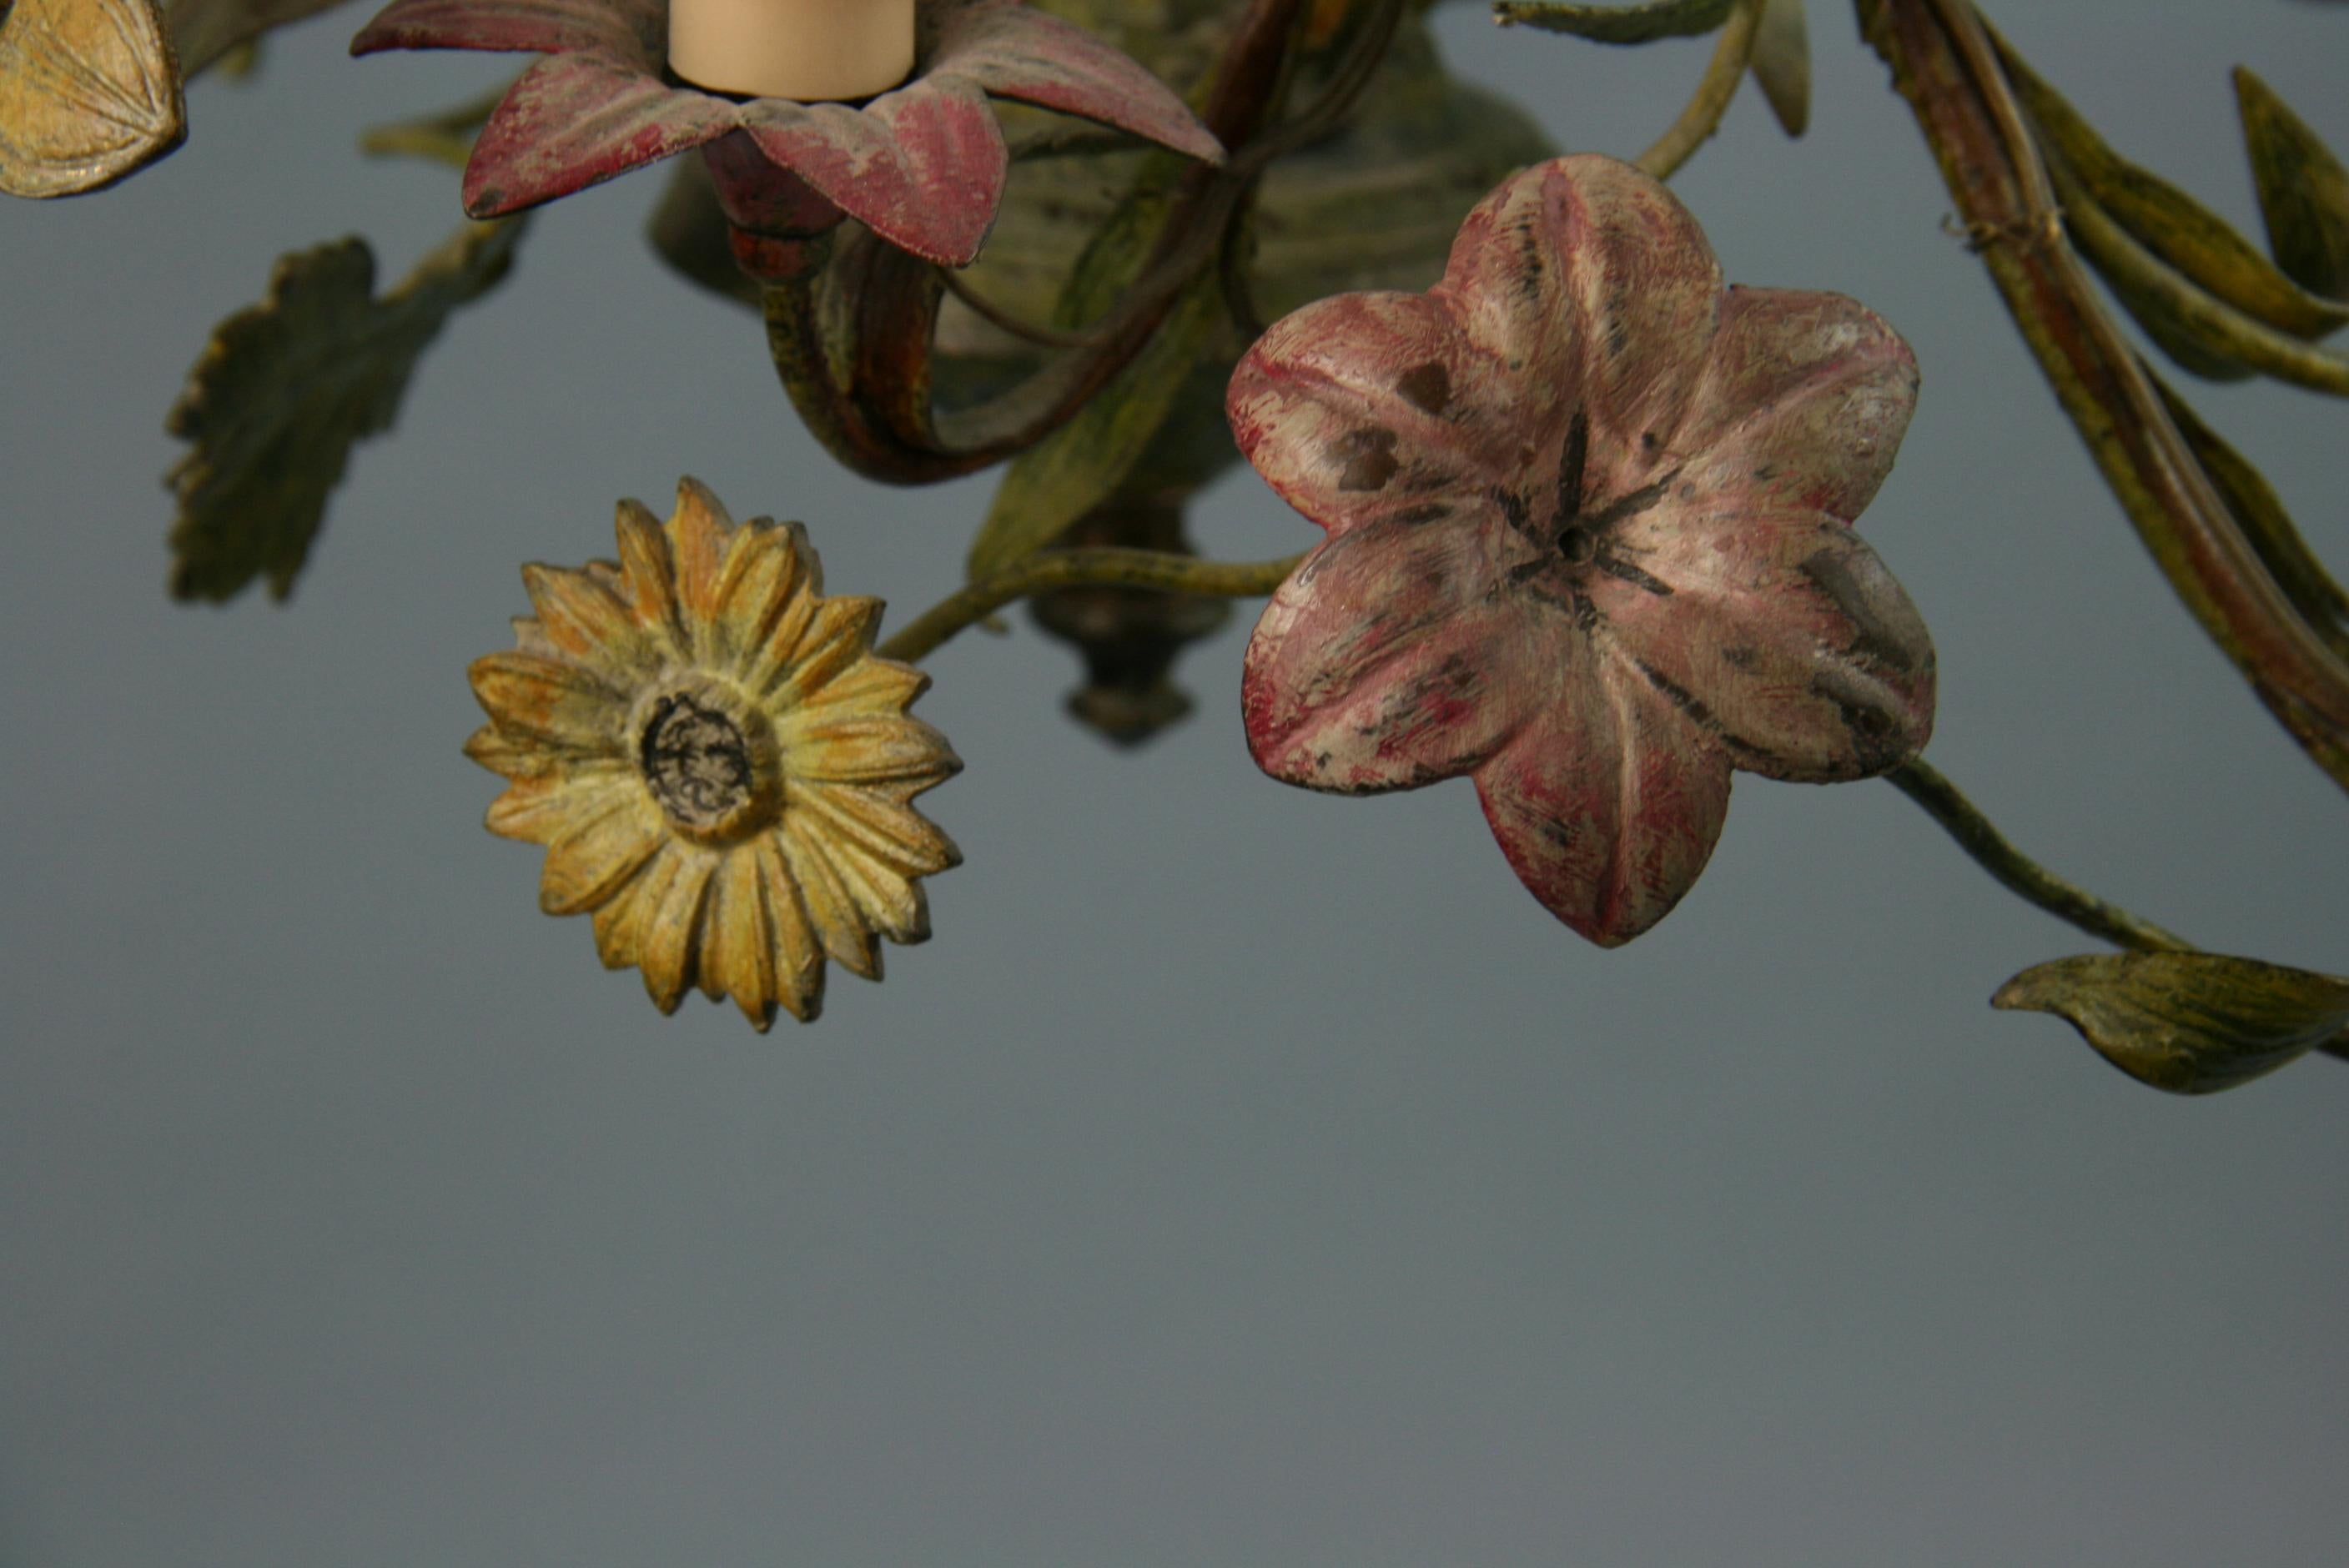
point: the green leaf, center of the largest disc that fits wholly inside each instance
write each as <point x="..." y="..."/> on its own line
<point x="2191" y="1023"/>
<point x="2173" y="225"/>
<point x="1067" y="474"/>
<point x="286" y="387"/>
<point x="1637" y="24"/>
<point x="2303" y="190"/>
<point x="1064" y="476"/>
<point x="1782" y="64"/>
<point x="2264" y="522"/>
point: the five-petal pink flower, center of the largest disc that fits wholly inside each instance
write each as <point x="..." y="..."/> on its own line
<point x="1589" y="519"/>
<point x="923" y="166"/>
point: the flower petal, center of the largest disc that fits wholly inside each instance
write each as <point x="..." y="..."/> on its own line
<point x="765" y="589"/>
<point x="922" y="167"/>
<point x="672" y="935"/>
<point x="596" y="859"/>
<point x="888" y="831"/>
<point x="833" y="913"/>
<point x="1607" y="805"/>
<point x="1783" y="636"/>
<point x="873" y="687"/>
<point x="541" y="809"/>
<point x="647" y="576"/>
<point x="702" y="528"/>
<point x="548" y="699"/>
<point x="837" y="634"/>
<point x="1386" y="663"/>
<point x="1368" y="405"/>
<point x="1015" y="51"/>
<point x="636" y="31"/>
<point x="799" y="952"/>
<point x="1585" y="276"/>
<point x="580" y="614"/>
<point x="737" y="942"/>
<point x="573" y="120"/>
<point x="1803" y="402"/>
<point x="866" y="748"/>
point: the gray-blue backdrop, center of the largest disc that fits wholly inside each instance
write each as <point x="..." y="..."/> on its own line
<point x="1241" y="1176"/>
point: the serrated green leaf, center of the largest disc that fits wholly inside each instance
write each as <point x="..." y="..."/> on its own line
<point x="1067" y="474"/>
<point x="2191" y="1023"/>
<point x="2185" y="234"/>
<point x="1782" y="64"/>
<point x="2265" y="522"/>
<point x="286" y="386"/>
<point x="2304" y="190"/>
<point x="1636" y="24"/>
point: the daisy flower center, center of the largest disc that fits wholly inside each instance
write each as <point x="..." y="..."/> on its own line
<point x="709" y="760"/>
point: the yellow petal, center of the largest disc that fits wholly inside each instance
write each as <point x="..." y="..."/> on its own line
<point x="522" y="755"/>
<point x="623" y="921"/>
<point x="672" y="935"/>
<point x="876" y="687"/>
<point x="700" y="527"/>
<point x="840" y="634"/>
<point x="892" y="833"/>
<point x="764" y="566"/>
<point x="587" y="620"/>
<point x="737" y="942"/>
<point x="546" y="698"/>
<point x="862" y="750"/>
<point x="542" y="809"/>
<point x="647" y="576"/>
<point x="832" y="909"/>
<point x="798" y="953"/>
<point x="587" y="865"/>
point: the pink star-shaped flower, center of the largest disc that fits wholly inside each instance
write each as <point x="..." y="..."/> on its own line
<point x="922" y="166"/>
<point x="1589" y="519"/>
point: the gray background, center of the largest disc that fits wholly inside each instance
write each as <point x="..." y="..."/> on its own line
<point x="1241" y="1176"/>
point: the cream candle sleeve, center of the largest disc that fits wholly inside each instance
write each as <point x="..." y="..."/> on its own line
<point x="812" y="50"/>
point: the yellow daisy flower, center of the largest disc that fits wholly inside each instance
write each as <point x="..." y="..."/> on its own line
<point x="716" y="761"/>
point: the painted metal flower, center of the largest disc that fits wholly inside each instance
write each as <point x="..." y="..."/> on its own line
<point x="923" y="166"/>
<point x="719" y="766"/>
<point x="1588" y="540"/>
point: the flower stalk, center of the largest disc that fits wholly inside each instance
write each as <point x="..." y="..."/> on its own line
<point x="1944" y="64"/>
<point x="1100" y="566"/>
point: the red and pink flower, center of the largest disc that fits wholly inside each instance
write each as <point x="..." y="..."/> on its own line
<point x="1589" y="542"/>
<point x="923" y="166"/>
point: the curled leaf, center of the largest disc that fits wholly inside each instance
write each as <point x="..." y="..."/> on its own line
<point x="2304" y="190"/>
<point x="1782" y="64"/>
<point x="1071" y="472"/>
<point x="2267" y="525"/>
<point x="2200" y="330"/>
<point x="2184" y="233"/>
<point x="1636" y="24"/>
<point x="1080" y="465"/>
<point x="286" y="387"/>
<point x="2191" y="1023"/>
<point x="89" y="92"/>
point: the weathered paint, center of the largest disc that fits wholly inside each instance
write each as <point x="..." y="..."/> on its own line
<point x="923" y="167"/>
<point x="1588" y="540"/>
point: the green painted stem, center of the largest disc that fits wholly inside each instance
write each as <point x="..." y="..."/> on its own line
<point x="1923" y="783"/>
<point x="1103" y="567"/>
<point x="1701" y="116"/>
<point x="2027" y="879"/>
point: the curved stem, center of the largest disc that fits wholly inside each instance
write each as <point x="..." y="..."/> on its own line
<point x="1701" y="116"/>
<point x="1943" y="63"/>
<point x="2019" y="873"/>
<point x="1100" y="567"/>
